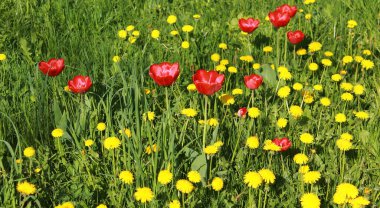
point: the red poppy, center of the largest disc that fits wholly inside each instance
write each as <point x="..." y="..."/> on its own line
<point x="208" y="82"/>
<point x="279" y="19"/>
<point x="80" y="84"/>
<point x="284" y="143"/>
<point x="164" y="74"/>
<point x="291" y="10"/>
<point x="53" y="67"/>
<point x="295" y="37"/>
<point x="248" y="25"/>
<point x="242" y="112"/>
<point x="253" y="81"/>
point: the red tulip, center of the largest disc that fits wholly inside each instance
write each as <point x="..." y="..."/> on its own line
<point x="279" y="19"/>
<point x="253" y="81"/>
<point x="164" y="74"/>
<point x="53" y="67"/>
<point x="248" y="25"/>
<point x="295" y="37"/>
<point x="284" y="143"/>
<point x="291" y="10"/>
<point x="80" y="84"/>
<point x="242" y="112"/>
<point x="208" y="82"/>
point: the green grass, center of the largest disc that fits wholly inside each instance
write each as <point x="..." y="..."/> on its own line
<point x="84" y="33"/>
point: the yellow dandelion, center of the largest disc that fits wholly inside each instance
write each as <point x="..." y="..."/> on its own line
<point x="187" y="28"/>
<point x="217" y="184"/>
<point x="175" y="204"/>
<point x="174" y="32"/>
<point x="256" y="66"/>
<point x="314" y="47"/>
<point x="301" y="52"/>
<point x="344" y="144"/>
<point x="101" y="126"/>
<point x="144" y="194"/>
<point x="358" y="59"/>
<point x="347" y="59"/>
<point x="26" y="188"/>
<point x="155" y="34"/>
<point x="326" y="62"/>
<point x="232" y="69"/>
<point x="300" y="159"/>
<point x="311" y="177"/>
<point x="306" y="138"/>
<point x="253" y="179"/>
<point x="237" y="91"/>
<point x="253" y="112"/>
<point x="313" y="67"/>
<point x="122" y="34"/>
<point x="210" y="150"/>
<point x="171" y="19"/>
<point x="283" y="92"/>
<point x="351" y="24"/>
<point x="340" y="118"/>
<point x="366" y="52"/>
<point x="56" y="133"/>
<point x="215" y="57"/>
<point x="116" y="59"/>
<point x="336" y="77"/>
<point x="111" y="143"/>
<point x="282" y="123"/>
<point x="346" y="86"/>
<point x="328" y="53"/>
<point x="303" y="169"/>
<point x="126" y="176"/>
<point x="213" y="122"/>
<point x="252" y="142"/>
<point x="310" y="200"/>
<point x="191" y="87"/>
<point x="367" y="64"/>
<point x="184" y="186"/>
<point x="268" y="49"/>
<point x="362" y="115"/>
<point x="325" y="101"/>
<point x="185" y="45"/>
<point x="358" y="89"/>
<point x="165" y="177"/>
<point x="295" y="111"/>
<point x="271" y="146"/>
<point x="88" y="142"/>
<point x="297" y="86"/>
<point x="346" y="136"/>
<point x="194" y="176"/>
<point x="189" y="112"/>
<point x="223" y="46"/>
<point x="318" y="87"/>
<point x="347" y="96"/>
<point x="267" y="175"/>
<point x="29" y="152"/>
<point x="3" y="57"/>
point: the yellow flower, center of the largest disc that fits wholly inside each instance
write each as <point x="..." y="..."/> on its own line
<point x="220" y="67"/>
<point x="171" y="19"/>
<point x="358" y="89"/>
<point x="297" y="86"/>
<point x="66" y="88"/>
<point x="122" y="34"/>
<point x="88" y="142"/>
<point x="65" y="205"/>
<point x="252" y="142"/>
<point x="26" y="188"/>
<point x="295" y="111"/>
<point x="301" y="52"/>
<point x="346" y="136"/>
<point x="308" y="16"/>
<point x="345" y="192"/>
<point x="306" y="2"/>
<point x="268" y="49"/>
<point x="359" y="202"/>
<point x="213" y="122"/>
<point x="130" y="28"/>
<point x="300" y="159"/>
<point x="224" y="62"/>
<point x="101" y="126"/>
<point x="247" y="58"/>
<point x="347" y="96"/>
<point x="318" y="87"/>
<point x="362" y="115"/>
<point x="282" y="123"/>
<point x="340" y="118"/>
<point x="267" y="175"/>
<point x="253" y="112"/>
<point x="351" y="24"/>
<point x="101" y="206"/>
<point x="326" y="62"/>
<point x="303" y="169"/>
<point x="283" y="92"/>
<point x="336" y="77"/>
<point x="310" y="200"/>
<point x="184" y="186"/>
<point x="136" y="33"/>
<point x="346" y="86"/>
<point x="150" y="115"/>
<point x="18" y="161"/>
<point x="148" y="149"/>
<point x="196" y="16"/>
<point x="358" y="59"/>
<point x="285" y="75"/>
<point x="165" y="177"/>
<point x="37" y="170"/>
<point x="132" y="39"/>
<point x="191" y="87"/>
<point x="366" y="52"/>
<point x="116" y="59"/>
<point x="223" y="46"/>
<point x="313" y="67"/>
<point x="29" y="152"/>
<point x="232" y="69"/>
<point x="215" y="57"/>
<point x="308" y="97"/>
<point x="126" y="132"/>
<point x="270" y="146"/>
<point x="328" y="53"/>
<point x="306" y="138"/>
<point x="56" y="133"/>
<point x="187" y="28"/>
<point x="174" y="32"/>
<point x="325" y="101"/>
<point x="237" y="91"/>
<point x="315" y="46"/>
<point x="143" y="195"/>
<point x="343" y="72"/>
<point x="227" y="99"/>
<point x="218" y="144"/>
<point x="367" y="64"/>
<point x="155" y="34"/>
<point x="256" y="66"/>
<point x="347" y="59"/>
<point x="126" y="176"/>
<point x="253" y="179"/>
<point x="111" y="143"/>
<point x="311" y="177"/>
<point x="343" y="144"/>
<point x="3" y="57"/>
<point x="189" y="112"/>
<point x="185" y="45"/>
<point x="175" y="204"/>
<point x="194" y="176"/>
<point x="210" y="150"/>
<point x="217" y="184"/>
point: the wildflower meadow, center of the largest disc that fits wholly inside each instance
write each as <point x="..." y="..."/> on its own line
<point x="167" y="103"/>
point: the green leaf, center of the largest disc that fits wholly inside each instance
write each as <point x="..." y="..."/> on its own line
<point x="269" y="76"/>
<point x="200" y="164"/>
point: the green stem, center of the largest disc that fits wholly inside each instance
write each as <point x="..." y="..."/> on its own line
<point x="205" y="124"/>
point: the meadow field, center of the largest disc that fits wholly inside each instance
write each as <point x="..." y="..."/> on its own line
<point x="198" y="103"/>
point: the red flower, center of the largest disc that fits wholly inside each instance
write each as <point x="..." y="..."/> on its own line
<point x="80" y="84"/>
<point x="208" y="82"/>
<point x="253" y="81"/>
<point x="53" y="67"/>
<point x="242" y="112"/>
<point x="284" y="143"/>
<point x="295" y="37"/>
<point x="248" y="25"/>
<point x="279" y="19"/>
<point x="291" y="10"/>
<point x="164" y="74"/>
